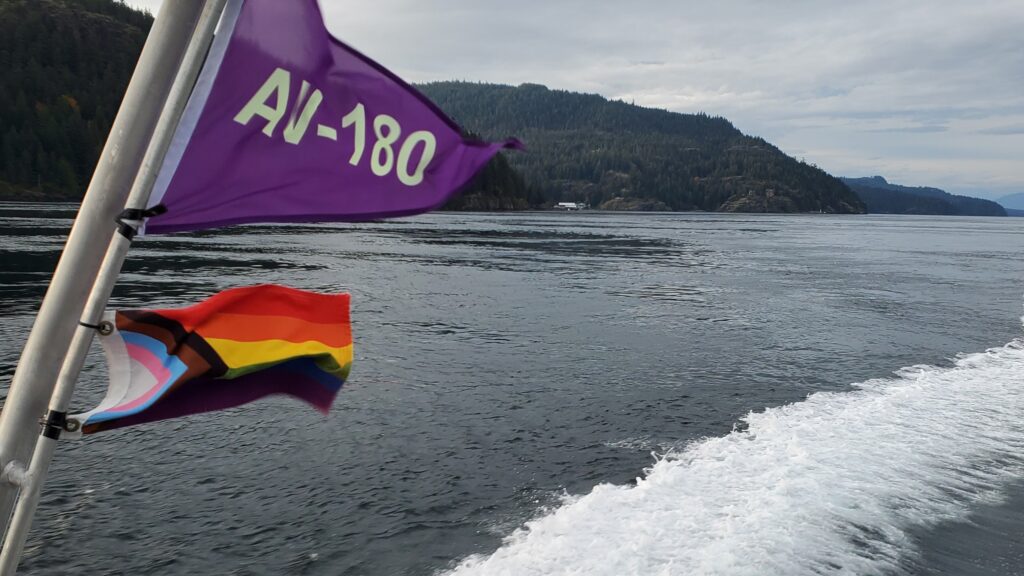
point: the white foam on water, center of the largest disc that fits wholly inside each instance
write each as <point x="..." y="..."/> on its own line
<point x="829" y="485"/>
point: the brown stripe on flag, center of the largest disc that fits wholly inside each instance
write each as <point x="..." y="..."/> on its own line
<point x="189" y="347"/>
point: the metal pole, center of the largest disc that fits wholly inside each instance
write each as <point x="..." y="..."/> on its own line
<point x="48" y="342"/>
<point x="32" y="481"/>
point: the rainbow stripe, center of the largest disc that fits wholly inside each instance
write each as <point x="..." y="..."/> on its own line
<point x="235" y="347"/>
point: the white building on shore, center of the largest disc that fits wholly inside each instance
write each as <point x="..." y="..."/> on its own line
<point x="571" y="206"/>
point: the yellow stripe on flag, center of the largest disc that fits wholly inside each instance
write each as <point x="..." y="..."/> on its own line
<point x="239" y="355"/>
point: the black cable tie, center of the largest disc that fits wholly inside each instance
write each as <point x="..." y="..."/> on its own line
<point x="105" y="328"/>
<point x="54" y="424"/>
<point x="128" y="219"/>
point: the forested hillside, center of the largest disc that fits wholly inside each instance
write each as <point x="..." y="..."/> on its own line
<point x="585" y="148"/>
<point x="65" y="65"/>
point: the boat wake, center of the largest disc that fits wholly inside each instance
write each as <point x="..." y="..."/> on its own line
<point x="833" y="484"/>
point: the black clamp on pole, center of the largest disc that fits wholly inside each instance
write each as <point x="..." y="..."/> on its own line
<point x="54" y="424"/>
<point x="128" y="221"/>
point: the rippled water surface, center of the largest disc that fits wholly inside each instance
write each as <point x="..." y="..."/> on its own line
<point x="585" y="393"/>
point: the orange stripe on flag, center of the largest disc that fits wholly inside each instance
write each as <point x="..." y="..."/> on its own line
<point x="250" y="328"/>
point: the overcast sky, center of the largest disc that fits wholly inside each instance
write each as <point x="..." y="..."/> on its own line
<point x="925" y="92"/>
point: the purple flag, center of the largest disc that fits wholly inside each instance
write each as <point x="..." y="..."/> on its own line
<point x="287" y="124"/>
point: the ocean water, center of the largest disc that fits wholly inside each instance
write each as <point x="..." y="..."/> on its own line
<point x="586" y="393"/>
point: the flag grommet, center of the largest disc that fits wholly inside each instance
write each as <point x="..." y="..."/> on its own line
<point x="105" y="328"/>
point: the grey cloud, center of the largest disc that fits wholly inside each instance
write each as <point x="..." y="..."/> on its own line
<point x="914" y="129"/>
<point x="1004" y="130"/>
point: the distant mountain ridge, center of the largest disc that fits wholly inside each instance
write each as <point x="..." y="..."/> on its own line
<point x="610" y="154"/>
<point x="1012" y="201"/>
<point x="882" y="197"/>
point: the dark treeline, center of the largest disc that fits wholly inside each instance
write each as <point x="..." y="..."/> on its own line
<point x="882" y="197"/>
<point x="65" y="64"/>
<point x="498" y="187"/>
<point x="585" y="148"/>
